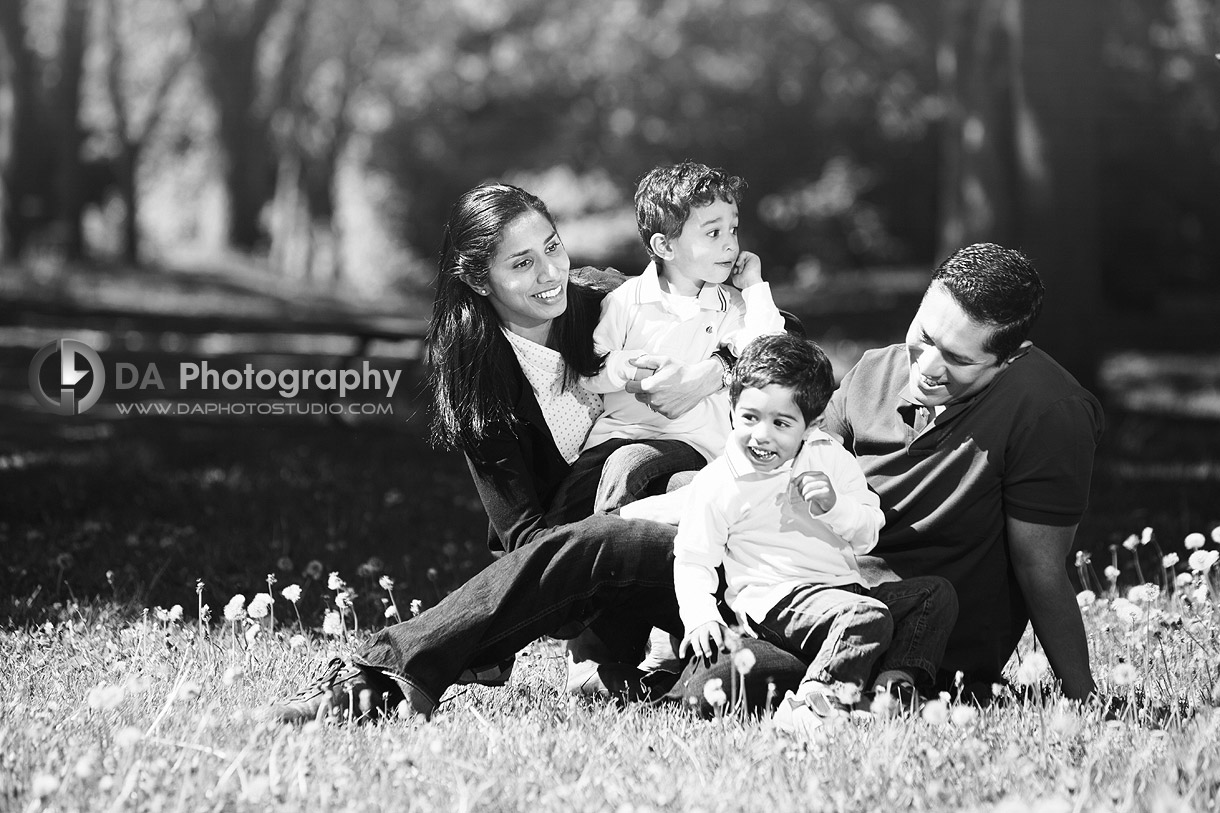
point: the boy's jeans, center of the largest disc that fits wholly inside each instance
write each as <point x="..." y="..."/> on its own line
<point x="614" y="574"/>
<point x="849" y="633"/>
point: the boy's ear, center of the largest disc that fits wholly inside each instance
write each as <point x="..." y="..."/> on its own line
<point x="659" y="244"/>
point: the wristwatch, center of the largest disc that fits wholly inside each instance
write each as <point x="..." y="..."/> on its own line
<point x="728" y="361"/>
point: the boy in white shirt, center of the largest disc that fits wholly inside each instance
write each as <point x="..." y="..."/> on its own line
<point x="679" y="307"/>
<point x="786" y="510"/>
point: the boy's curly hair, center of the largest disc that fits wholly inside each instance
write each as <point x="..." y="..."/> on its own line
<point x="666" y="195"/>
<point x="789" y="361"/>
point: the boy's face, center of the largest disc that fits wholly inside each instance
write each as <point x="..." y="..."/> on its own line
<point x="768" y="426"/>
<point x="704" y="251"/>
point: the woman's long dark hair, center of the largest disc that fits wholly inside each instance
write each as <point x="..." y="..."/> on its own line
<point x="472" y="369"/>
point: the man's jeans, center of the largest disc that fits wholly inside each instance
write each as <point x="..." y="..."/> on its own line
<point x="614" y="574"/>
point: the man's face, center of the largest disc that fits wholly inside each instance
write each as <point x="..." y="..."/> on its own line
<point x="945" y="346"/>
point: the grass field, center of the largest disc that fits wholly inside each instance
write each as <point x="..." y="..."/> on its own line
<point x="113" y="701"/>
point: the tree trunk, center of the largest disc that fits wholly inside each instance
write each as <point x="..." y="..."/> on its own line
<point x="1057" y="122"/>
<point x="22" y="156"/>
<point x="1021" y="79"/>
<point x="129" y="163"/>
<point x="69" y="185"/>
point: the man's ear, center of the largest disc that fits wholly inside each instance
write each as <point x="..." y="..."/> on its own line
<point x="1021" y="351"/>
<point x="659" y="244"/>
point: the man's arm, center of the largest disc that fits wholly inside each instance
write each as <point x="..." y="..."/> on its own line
<point x="1039" y="554"/>
<point x="671" y="387"/>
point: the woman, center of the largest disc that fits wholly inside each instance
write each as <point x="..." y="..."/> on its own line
<point x="509" y="336"/>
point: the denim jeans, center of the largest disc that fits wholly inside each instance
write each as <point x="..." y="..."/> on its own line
<point x="614" y="574"/>
<point x="618" y="472"/>
<point x="923" y="610"/>
<point x="838" y="630"/>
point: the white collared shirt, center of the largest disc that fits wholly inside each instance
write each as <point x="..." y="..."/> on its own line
<point x="639" y="318"/>
<point x="765" y="534"/>
<point x="570" y="412"/>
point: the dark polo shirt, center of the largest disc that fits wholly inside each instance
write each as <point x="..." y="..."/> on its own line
<point x="1023" y="448"/>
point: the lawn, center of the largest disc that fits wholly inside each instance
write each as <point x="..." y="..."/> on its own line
<point x="117" y="701"/>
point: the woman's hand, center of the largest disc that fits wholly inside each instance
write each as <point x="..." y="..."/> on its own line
<point x="672" y="388"/>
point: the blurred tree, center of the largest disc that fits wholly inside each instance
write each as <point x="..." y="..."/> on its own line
<point x="328" y="60"/>
<point x="70" y="134"/>
<point x="246" y="83"/>
<point x="137" y="91"/>
<point x="1021" y="82"/>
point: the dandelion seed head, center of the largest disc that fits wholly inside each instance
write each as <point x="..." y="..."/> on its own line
<point x="332" y="623"/>
<point x="1085" y="598"/>
<point x="963" y="716"/>
<point x="296" y="642"/>
<point x="1196" y="540"/>
<point x="417" y="606"/>
<point x="1184" y="579"/>
<point x="1169" y="560"/>
<point x="1132" y="542"/>
<point x="1146" y="535"/>
<point x="1033" y="668"/>
<point x="334" y="582"/>
<point x="1124" y="674"/>
<point x="175" y="613"/>
<point x="161" y="614"/>
<point x="744" y="660"/>
<point x="104" y="697"/>
<point x="314" y="570"/>
<point x="284" y="563"/>
<point x="713" y="692"/>
<point x="1201" y="561"/>
<point x="128" y="737"/>
<point x="1216" y="534"/>
<point x="260" y="605"/>
<point x="1143" y="593"/>
<point x="884" y="705"/>
<point x="935" y="712"/>
<point x="391" y="611"/>
<point x="43" y="785"/>
<point x="235" y="609"/>
<point x="387" y="584"/>
<point x="292" y="592"/>
<point x="1111" y="573"/>
<point x="1126" y="610"/>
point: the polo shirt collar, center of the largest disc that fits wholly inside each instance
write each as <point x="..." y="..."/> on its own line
<point x="710" y="297"/>
<point x="741" y="468"/>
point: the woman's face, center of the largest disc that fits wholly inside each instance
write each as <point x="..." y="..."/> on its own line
<point x="527" y="280"/>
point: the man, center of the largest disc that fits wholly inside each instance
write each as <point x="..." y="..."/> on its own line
<point x="981" y="449"/>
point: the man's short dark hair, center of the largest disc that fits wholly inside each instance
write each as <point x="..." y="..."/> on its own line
<point x="995" y="286"/>
<point x="789" y="361"/>
<point x="665" y="196"/>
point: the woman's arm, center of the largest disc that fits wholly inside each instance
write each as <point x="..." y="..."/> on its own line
<point x="508" y="488"/>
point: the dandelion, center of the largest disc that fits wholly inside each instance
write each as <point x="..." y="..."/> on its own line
<point x="260" y="605"/>
<point x="161" y="614"/>
<point x="743" y="661"/>
<point x="1143" y="593"/>
<point x="1127" y="611"/>
<point x="1032" y="669"/>
<point x="387" y="584"/>
<point x="935" y="712"/>
<point x="203" y="619"/>
<point x="104" y="697"/>
<point x="334" y="582"/>
<point x="85" y="766"/>
<point x="43" y="785"/>
<point x="127" y="737"/>
<point x="1146" y="535"/>
<point x="1169" y="560"/>
<point x="232" y="675"/>
<point x="343" y="598"/>
<point x="391" y="612"/>
<point x="332" y="624"/>
<point x="1132" y="542"/>
<point x="1216" y="534"/>
<point x="417" y="606"/>
<point x="1196" y="540"/>
<point x="235" y="609"/>
<point x="963" y="716"/>
<point x="313" y="570"/>
<point x="292" y="592"/>
<point x="175" y="613"/>
<point x="713" y="693"/>
<point x="1123" y="674"/>
<point x="1082" y="558"/>
<point x="283" y="563"/>
<point x="1202" y="561"/>
<point x="884" y="705"/>
<point x="296" y="642"/>
<point x="1085" y="598"/>
<point x="1112" y="575"/>
<point x="1184" y="580"/>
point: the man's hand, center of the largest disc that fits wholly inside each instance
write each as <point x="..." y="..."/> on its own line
<point x="704" y="641"/>
<point x="746" y="271"/>
<point x="670" y="387"/>
<point x="816" y="489"/>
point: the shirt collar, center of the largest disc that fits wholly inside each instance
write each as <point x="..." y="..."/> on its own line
<point x="711" y="296"/>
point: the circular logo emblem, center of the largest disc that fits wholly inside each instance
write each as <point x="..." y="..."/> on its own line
<point x="69" y="351"/>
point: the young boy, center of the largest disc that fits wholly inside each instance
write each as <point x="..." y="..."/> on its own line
<point x="786" y="510"/>
<point x="680" y="307"/>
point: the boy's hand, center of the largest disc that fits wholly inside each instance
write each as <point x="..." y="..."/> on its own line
<point x="815" y="487"/>
<point x="746" y="271"/>
<point x="704" y="641"/>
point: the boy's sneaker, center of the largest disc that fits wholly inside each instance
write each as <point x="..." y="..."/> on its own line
<point x="342" y="690"/>
<point x="662" y="653"/>
<point x="802" y="716"/>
